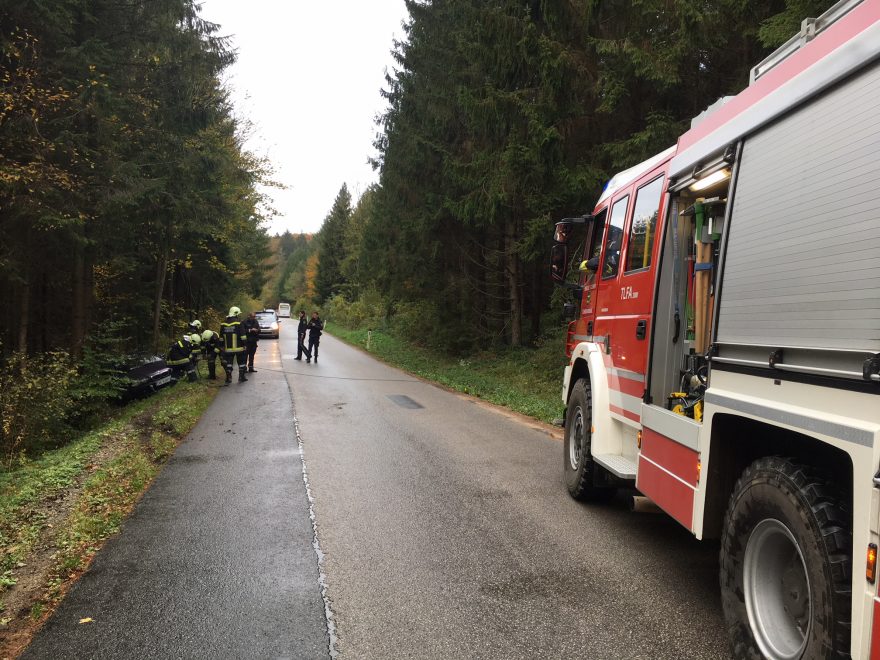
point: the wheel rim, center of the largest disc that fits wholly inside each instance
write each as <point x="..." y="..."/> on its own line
<point x="576" y="439"/>
<point x="777" y="591"/>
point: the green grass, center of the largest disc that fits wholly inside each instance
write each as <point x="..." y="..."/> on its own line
<point x="527" y="380"/>
<point x="144" y="433"/>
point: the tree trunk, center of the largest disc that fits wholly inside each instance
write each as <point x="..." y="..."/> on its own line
<point x="172" y="281"/>
<point x="44" y="319"/>
<point x="78" y="313"/>
<point x="537" y="302"/>
<point x="24" y="313"/>
<point x="158" y="291"/>
<point x="24" y="301"/>
<point x="513" y="284"/>
<point x="89" y="290"/>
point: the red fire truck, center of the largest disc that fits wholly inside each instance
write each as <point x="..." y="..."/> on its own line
<point x="725" y="357"/>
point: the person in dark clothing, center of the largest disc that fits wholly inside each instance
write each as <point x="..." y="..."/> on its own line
<point x="252" y="326"/>
<point x="212" y="345"/>
<point x="179" y="358"/>
<point x="195" y="354"/>
<point x="315" y="327"/>
<point x="301" y="336"/>
<point x="234" y="343"/>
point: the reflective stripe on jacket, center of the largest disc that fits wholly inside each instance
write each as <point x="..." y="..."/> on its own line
<point x="234" y="336"/>
<point x="212" y="345"/>
<point x="178" y="354"/>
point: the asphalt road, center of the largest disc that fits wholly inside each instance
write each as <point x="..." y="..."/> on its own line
<point x="217" y="559"/>
<point x="448" y="532"/>
<point x="444" y="531"/>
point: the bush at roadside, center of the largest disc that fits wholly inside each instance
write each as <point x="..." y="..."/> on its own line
<point x="36" y="403"/>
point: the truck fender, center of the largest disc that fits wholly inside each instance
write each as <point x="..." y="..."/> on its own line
<point x="604" y="438"/>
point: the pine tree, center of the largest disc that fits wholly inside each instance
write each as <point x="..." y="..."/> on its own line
<point x="331" y="247"/>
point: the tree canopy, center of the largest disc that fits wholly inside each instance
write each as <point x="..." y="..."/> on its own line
<point x="505" y="116"/>
<point x="126" y="194"/>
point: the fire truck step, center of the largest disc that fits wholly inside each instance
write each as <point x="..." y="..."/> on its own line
<point x="617" y="465"/>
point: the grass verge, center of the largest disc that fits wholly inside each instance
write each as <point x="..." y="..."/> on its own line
<point x="58" y="510"/>
<point x="527" y="380"/>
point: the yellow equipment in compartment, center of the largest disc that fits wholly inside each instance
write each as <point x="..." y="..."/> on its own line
<point x="686" y="406"/>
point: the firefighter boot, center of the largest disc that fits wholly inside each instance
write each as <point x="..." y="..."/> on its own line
<point x="241" y="377"/>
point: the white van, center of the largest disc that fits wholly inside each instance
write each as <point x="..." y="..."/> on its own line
<point x="284" y="310"/>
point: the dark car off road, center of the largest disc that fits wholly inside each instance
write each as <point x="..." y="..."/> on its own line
<point x="144" y="374"/>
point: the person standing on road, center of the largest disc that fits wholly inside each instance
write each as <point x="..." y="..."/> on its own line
<point x="234" y="344"/>
<point x="301" y="336"/>
<point x="252" y="325"/>
<point x="315" y="327"/>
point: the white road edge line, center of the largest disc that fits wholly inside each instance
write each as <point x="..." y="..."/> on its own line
<point x="316" y="544"/>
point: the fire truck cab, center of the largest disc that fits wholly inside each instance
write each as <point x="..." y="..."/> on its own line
<point x="725" y="356"/>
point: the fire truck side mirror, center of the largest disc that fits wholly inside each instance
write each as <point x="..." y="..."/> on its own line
<point x="559" y="262"/>
<point x="570" y="312"/>
<point x="563" y="231"/>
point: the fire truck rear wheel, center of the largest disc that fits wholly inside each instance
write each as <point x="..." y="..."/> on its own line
<point x="786" y="564"/>
<point x="580" y="468"/>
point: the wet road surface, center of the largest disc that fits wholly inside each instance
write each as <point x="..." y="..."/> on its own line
<point x="217" y="559"/>
<point x="448" y="532"/>
<point x="445" y="531"/>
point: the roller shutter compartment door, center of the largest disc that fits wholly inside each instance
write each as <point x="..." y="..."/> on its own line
<point x="802" y="267"/>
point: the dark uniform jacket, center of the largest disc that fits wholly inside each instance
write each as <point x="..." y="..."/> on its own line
<point x="252" y="327"/>
<point x="213" y="345"/>
<point x="234" y="335"/>
<point x="179" y="353"/>
<point x="315" y="327"/>
<point x="303" y="324"/>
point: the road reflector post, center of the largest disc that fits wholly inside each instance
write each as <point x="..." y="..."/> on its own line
<point x="369" y="338"/>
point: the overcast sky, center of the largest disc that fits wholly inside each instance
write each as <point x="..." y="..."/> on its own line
<point x="309" y="76"/>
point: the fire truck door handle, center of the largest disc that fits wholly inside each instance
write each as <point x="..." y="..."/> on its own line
<point x="641" y="329"/>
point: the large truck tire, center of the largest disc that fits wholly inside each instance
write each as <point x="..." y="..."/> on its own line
<point x="580" y="468"/>
<point x="786" y="564"/>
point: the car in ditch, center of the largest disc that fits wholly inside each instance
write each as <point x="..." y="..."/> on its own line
<point x="141" y="375"/>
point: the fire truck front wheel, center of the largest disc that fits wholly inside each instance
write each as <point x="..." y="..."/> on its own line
<point x="786" y="564"/>
<point x="580" y="468"/>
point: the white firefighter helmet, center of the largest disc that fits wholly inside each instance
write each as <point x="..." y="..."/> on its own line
<point x="206" y="335"/>
<point x="234" y="311"/>
<point x="194" y="339"/>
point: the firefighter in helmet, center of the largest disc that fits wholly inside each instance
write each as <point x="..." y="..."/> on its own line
<point x="179" y="358"/>
<point x="212" y="346"/>
<point x="195" y="343"/>
<point x="195" y="326"/>
<point x="234" y="336"/>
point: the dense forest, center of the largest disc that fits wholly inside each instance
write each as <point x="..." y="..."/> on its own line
<point x="127" y="199"/>
<point x="128" y="205"/>
<point x="503" y="117"/>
